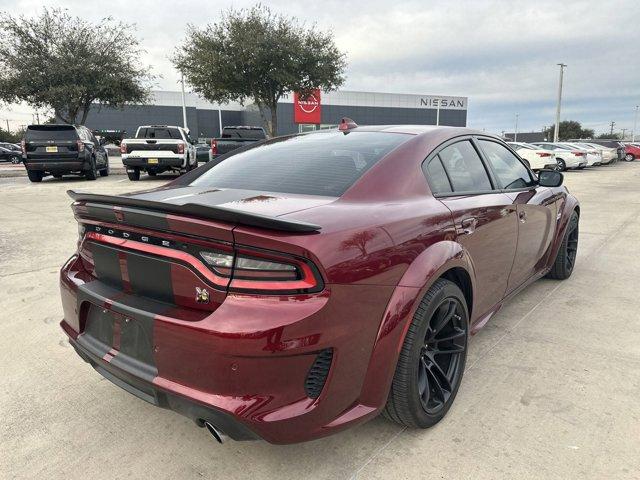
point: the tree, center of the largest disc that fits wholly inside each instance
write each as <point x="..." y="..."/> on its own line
<point x="66" y="64"/>
<point x="569" y="129"/>
<point x="609" y="136"/>
<point x="8" y="136"/>
<point x="258" y="55"/>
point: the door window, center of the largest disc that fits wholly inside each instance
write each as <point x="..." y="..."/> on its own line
<point x="465" y="168"/>
<point x="510" y="171"/>
<point x="437" y="177"/>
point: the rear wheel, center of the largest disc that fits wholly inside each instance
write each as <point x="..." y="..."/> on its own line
<point x="566" y="257"/>
<point x="34" y="175"/>
<point x="431" y="363"/>
<point x="15" y="159"/>
<point x="629" y="157"/>
<point x="562" y="166"/>
<point x="133" y="174"/>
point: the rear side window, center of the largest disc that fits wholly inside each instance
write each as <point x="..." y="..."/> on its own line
<point x="160" y="133"/>
<point x="464" y="167"/>
<point x="437" y="177"/>
<point x="37" y="133"/>
<point x="248" y="133"/>
<point x="326" y="163"/>
<point x="508" y="168"/>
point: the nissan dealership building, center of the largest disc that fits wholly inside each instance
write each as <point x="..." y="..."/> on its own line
<point x="320" y="110"/>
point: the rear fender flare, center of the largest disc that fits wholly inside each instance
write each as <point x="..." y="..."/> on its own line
<point x="421" y="274"/>
<point x="569" y="206"/>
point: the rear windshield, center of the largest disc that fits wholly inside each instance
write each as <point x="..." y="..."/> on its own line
<point x="250" y="133"/>
<point x="159" y="132"/>
<point x="313" y="164"/>
<point x="36" y="133"/>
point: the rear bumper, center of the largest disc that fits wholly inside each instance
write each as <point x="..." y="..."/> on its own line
<point x="54" y="165"/>
<point x="243" y="366"/>
<point x="163" y="162"/>
<point x="162" y="398"/>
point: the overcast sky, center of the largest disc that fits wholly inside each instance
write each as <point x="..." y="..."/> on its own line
<point x="500" y="54"/>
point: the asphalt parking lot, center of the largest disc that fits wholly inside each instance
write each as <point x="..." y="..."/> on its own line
<point x="551" y="388"/>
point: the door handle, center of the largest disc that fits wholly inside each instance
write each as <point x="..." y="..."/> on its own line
<point x="522" y="215"/>
<point x="468" y="226"/>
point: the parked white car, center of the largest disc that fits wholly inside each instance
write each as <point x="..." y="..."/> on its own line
<point x="594" y="157"/>
<point x="608" y="154"/>
<point x="538" y="158"/>
<point x="566" y="156"/>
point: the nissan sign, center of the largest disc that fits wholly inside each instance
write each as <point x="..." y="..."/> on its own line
<point x="307" y="109"/>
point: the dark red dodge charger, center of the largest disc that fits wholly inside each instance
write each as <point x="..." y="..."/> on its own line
<point x="310" y="282"/>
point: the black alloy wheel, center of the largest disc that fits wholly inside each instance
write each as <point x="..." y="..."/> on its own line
<point x="431" y="363"/>
<point x="440" y="358"/>
<point x="566" y="258"/>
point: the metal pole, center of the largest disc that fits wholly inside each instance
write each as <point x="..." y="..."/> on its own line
<point x="556" y="132"/>
<point x="635" y="124"/>
<point x="624" y="130"/>
<point x="7" y="120"/>
<point x="438" y="113"/>
<point x="515" y="135"/>
<point x="184" y="105"/>
<point x="220" y="119"/>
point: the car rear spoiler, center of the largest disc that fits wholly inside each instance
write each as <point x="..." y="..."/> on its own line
<point x="198" y="210"/>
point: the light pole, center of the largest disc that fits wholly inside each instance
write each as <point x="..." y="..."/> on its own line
<point x="557" y="129"/>
<point x="635" y="124"/>
<point x="184" y="105"/>
<point x="515" y="134"/>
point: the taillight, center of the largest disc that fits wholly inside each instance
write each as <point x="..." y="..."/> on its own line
<point x="214" y="146"/>
<point x="123" y="147"/>
<point x="181" y="148"/>
<point x="578" y="154"/>
<point x="541" y="154"/>
<point x="264" y="272"/>
<point x="80" y="145"/>
<point x="23" y="144"/>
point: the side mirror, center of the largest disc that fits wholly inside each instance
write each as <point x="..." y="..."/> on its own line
<point x="550" y="178"/>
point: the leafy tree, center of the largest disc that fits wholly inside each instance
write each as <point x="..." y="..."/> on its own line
<point x="8" y="136"/>
<point x="258" y="55"/>
<point x="66" y="64"/>
<point x="609" y="136"/>
<point x="568" y="130"/>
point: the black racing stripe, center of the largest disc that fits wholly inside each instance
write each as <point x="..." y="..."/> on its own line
<point x="150" y="277"/>
<point x="107" y="265"/>
<point x="100" y="212"/>
<point x="99" y="325"/>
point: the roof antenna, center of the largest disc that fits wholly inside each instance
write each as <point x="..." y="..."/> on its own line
<point x="347" y="124"/>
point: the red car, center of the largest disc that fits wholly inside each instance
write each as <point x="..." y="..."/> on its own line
<point x="309" y="283"/>
<point x="631" y="152"/>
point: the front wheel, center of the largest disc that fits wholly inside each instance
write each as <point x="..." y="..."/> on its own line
<point x="92" y="172"/>
<point x="566" y="257"/>
<point x="431" y="363"/>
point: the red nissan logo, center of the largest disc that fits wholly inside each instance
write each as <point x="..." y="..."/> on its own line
<point x="309" y="104"/>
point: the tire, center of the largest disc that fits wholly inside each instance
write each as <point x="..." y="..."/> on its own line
<point x="35" y="176"/>
<point x="106" y="170"/>
<point x="92" y="173"/>
<point x="562" y="166"/>
<point x="417" y="374"/>
<point x="134" y="175"/>
<point x="566" y="258"/>
<point x="629" y="157"/>
<point x="15" y="159"/>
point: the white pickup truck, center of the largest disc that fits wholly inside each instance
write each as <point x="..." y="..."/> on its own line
<point x="158" y="148"/>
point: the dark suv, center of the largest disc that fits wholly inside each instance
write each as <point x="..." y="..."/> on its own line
<point x="61" y="149"/>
